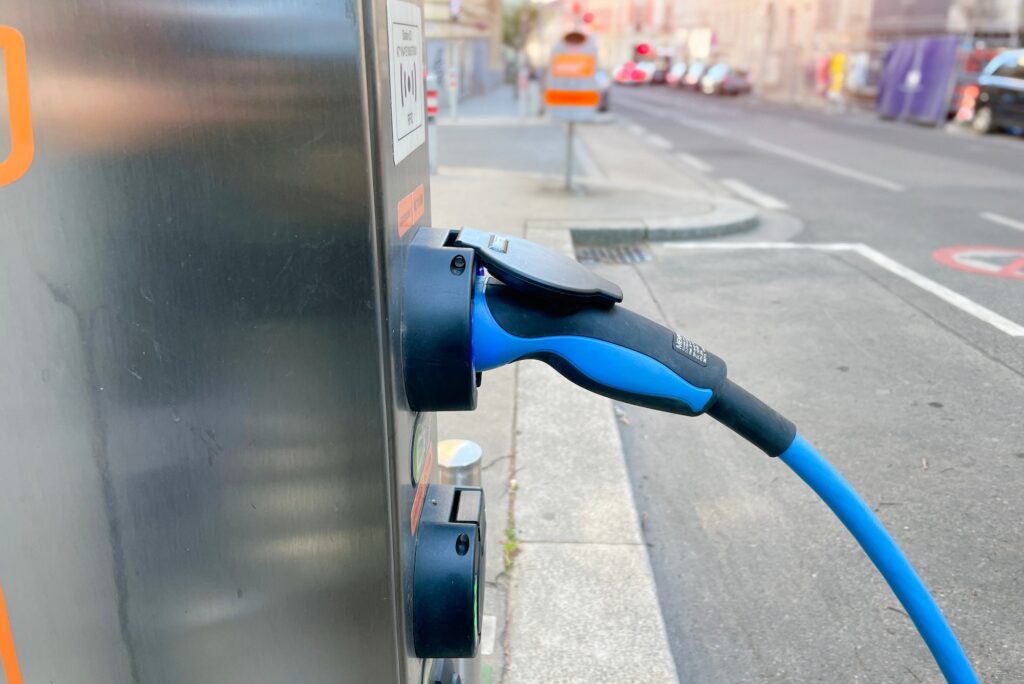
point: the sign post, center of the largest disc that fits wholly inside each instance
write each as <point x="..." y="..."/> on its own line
<point x="572" y="94"/>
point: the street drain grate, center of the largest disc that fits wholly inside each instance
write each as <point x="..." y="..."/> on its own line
<point x="628" y="253"/>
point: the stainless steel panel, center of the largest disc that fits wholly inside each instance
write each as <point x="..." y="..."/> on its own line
<point x="203" y="460"/>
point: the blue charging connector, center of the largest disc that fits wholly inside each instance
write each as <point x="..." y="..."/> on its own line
<point x="621" y="355"/>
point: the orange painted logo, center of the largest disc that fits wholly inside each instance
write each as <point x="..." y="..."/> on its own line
<point x="422" y="484"/>
<point x="410" y="209"/>
<point x="8" y="658"/>
<point x="12" y="49"/>
<point x="573" y="65"/>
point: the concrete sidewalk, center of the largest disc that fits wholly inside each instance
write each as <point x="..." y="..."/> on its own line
<point x="513" y="169"/>
<point x="570" y="592"/>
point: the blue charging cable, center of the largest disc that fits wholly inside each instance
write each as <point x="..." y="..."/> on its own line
<point x="624" y="356"/>
<point x="869" y="532"/>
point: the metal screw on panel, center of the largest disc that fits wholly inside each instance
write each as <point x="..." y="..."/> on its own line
<point x="462" y="544"/>
<point x="458" y="264"/>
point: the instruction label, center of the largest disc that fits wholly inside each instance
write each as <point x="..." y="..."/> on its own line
<point x="405" y="44"/>
<point x="690" y="349"/>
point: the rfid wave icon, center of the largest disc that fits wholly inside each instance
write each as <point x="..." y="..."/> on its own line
<point x="12" y="54"/>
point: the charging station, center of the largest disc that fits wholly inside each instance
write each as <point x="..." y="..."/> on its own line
<point x="225" y="320"/>
<point x="210" y="470"/>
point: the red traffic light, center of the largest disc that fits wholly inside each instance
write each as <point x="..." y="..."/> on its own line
<point x="588" y="18"/>
<point x="643" y="49"/>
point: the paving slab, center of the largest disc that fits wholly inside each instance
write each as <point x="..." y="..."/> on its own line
<point x="576" y="617"/>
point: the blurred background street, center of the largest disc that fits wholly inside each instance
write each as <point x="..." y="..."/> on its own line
<point x="853" y="243"/>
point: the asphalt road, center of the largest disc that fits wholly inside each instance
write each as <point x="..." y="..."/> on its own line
<point x="902" y="189"/>
<point x="882" y="355"/>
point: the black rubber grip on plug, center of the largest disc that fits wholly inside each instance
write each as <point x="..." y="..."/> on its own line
<point x="752" y="419"/>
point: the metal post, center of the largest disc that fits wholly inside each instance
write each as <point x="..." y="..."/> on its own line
<point x="459" y="461"/>
<point x="432" y="144"/>
<point x="568" y="155"/>
<point x="454" y="76"/>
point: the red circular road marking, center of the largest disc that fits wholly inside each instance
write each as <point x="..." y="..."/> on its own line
<point x="1001" y="262"/>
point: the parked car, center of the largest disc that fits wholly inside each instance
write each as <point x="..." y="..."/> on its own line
<point x="997" y="101"/>
<point x="675" y="75"/>
<point x="604" y="87"/>
<point x="661" y="69"/>
<point x="722" y="79"/>
<point x="967" y="76"/>
<point x="632" y="73"/>
<point x="694" y="74"/>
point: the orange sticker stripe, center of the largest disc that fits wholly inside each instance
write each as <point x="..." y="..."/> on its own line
<point x="8" y="657"/>
<point x="572" y="98"/>
<point x="410" y="209"/>
<point x="573" y="66"/>
<point x="12" y="45"/>
<point x="421" y="489"/>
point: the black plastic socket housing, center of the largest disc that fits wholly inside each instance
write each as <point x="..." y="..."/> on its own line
<point x="437" y="323"/>
<point x="448" y="586"/>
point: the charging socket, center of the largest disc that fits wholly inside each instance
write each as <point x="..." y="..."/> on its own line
<point x="448" y="580"/>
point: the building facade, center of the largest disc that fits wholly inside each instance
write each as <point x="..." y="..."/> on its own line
<point x="464" y="37"/>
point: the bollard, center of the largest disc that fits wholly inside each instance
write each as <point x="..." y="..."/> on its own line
<point x="459" y="461"/>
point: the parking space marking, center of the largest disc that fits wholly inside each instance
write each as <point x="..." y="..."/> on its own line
<point x="1002" y="220"/>
<point x="956" y="299"/>
<point x="636" y="129"/>
<point x="763" y="200"/>
<point x="694" y="162"/>
<point x="837" y="169"/>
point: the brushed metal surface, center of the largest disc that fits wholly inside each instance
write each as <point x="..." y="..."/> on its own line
<point x="203" y="461"/>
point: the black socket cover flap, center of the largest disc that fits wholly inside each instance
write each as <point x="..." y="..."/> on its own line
<point x="538" y="271"/>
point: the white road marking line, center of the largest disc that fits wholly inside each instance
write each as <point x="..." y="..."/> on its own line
<point x="694" y="162"/>
<point x="759" y="198"/>
<point x="636" y="129"/>
<point x="837" y="169"/>
<point x="956" y="299"/>
<point x="779" y="150"/>
<point x="1002" y="220"/>
<point x="702" y="126"/>
<point x="658" y="141"/>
